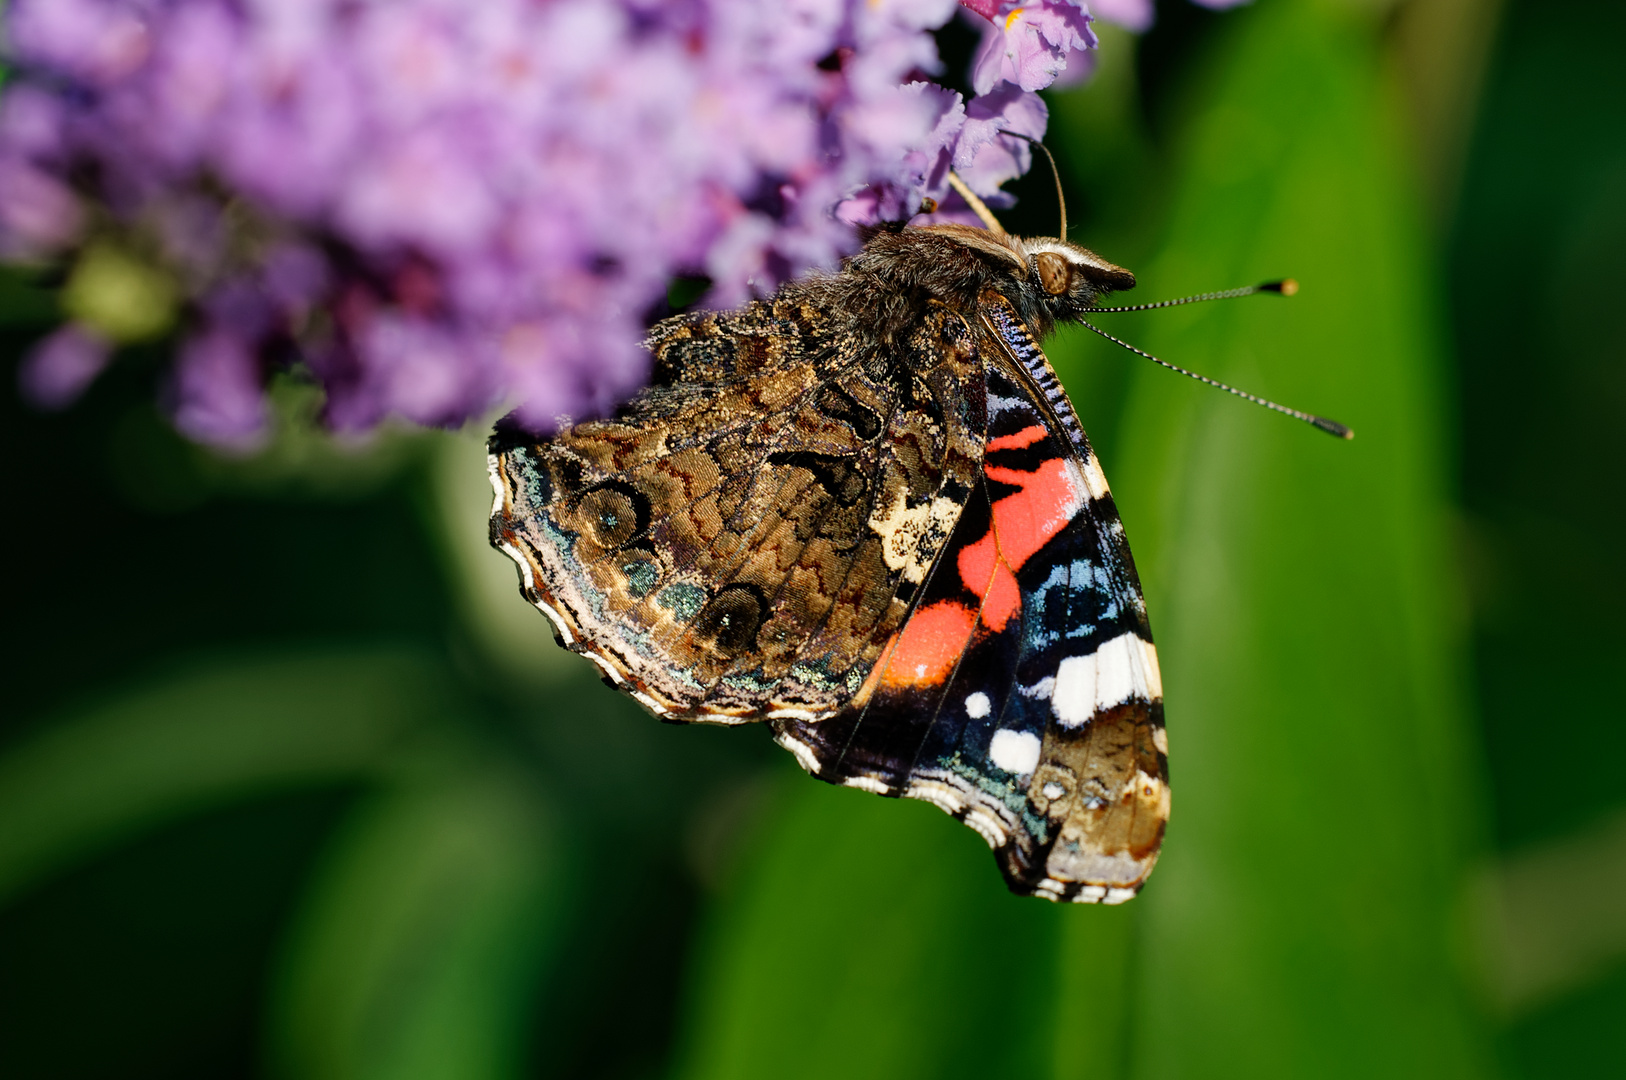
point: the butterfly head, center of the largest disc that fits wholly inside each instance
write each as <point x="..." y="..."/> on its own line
<point x="1067" y="279"/>
<point x="1047" y="279"/>
<point x="1064" y="279"/>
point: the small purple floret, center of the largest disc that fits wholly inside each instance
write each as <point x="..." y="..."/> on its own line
<point x="1028" y="45"/>
<point x="59" y="368"/>
<point x="217" y="390"/>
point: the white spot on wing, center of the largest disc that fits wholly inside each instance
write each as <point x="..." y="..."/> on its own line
<point x="1041" y="689"/>
<point x="868" y="783"/>
<point x="912" y="534"/>
<point x="723" y="719"/>
<point x="609" y="668"/>
<point x="649" y="703"/>
<point x="1121" y="669"/>
<point x="805" y="757"/>
<point x="977" y="705"/>
<point x="986" y="826"/>
<point x="1094" y="479"/>
<point x="1154" y="677"/>
<point x="1078" y="493"/>
<point x="496" y="484"/>
<point x="1118" y="896"/>
<point x="524" y="565"/>
<point x="1014" y="751"/>
<point x="938" y="794"/>
<point x="547" y="609"/>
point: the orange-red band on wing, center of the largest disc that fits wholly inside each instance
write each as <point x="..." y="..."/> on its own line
<point x="1016" y="440"/>
<point x="1023" y="523"/>
<point x="925" y="651"/>
<point x="930" y="644"/>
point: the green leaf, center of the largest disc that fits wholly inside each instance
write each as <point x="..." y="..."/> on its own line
<point x="870" y="938"/>
<point x="1324" y="801"/>
<point x="418" y="947"/>
<point x="220" y="732"/>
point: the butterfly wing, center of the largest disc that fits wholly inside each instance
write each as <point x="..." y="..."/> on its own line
<point x="743" y="538"/>
<point x="1022" y="693"/>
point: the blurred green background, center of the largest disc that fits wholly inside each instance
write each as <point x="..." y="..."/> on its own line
<point x="294" y="785"/>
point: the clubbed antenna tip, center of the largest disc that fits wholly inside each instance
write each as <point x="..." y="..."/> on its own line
<point x="1286" y="286"/>
<point x="1332" y="427"/>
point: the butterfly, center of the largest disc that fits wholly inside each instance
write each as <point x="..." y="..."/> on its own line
<point x="863" y="512"/>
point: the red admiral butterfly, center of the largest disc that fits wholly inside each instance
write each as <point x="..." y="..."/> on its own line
<point x="864" y="512"/>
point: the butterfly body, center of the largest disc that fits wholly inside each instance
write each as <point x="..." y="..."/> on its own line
<point x="863" y="512"/>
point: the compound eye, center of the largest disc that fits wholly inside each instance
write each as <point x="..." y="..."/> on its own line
<point x="1055" y="272"/>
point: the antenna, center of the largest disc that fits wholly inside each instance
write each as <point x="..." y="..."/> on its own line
<point x="978" y="207"/>
<point x="1284" y="287"/>
<point x="1331" y="427"/>
<point x="1055" y="173"/>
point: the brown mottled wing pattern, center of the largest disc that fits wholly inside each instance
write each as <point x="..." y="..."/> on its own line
<point x="743" y="538"/>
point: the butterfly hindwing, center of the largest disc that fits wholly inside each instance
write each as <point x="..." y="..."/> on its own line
<point x="740" y="541"/>
<point x="1022" y="693"/>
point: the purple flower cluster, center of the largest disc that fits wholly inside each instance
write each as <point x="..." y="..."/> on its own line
<point x="432" y="206"/>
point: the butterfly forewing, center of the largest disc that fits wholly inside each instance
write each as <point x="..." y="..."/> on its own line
<point x="1022" y="693"/>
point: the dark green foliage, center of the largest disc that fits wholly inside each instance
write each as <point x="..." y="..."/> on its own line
<point x="1537" y="264"/>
